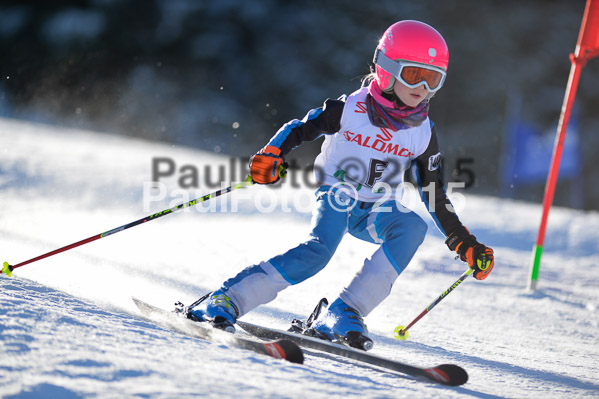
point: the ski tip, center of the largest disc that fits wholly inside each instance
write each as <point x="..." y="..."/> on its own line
<point x="449" y="374"/>
<point x="293" y="352"/>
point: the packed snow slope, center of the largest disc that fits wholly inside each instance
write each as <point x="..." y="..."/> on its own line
<point x="68" y="328"/>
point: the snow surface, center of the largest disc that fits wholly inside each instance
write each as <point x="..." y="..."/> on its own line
<point x="69" y="329"/>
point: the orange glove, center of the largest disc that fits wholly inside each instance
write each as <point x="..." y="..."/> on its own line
<point x="479" y="257"/>
<point x="265" y="166"/>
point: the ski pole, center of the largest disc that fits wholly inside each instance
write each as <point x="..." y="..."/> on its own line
<point x="401" y="332"/>
<point x="7" y="269"/>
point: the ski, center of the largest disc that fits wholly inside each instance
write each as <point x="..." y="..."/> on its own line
<point x="446" y="374"/>
<point x="277" y="348"/>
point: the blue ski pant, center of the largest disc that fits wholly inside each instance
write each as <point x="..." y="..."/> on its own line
<point x="398" y="230"/>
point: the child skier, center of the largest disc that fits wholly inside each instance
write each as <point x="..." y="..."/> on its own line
<point x="371" y="138"/>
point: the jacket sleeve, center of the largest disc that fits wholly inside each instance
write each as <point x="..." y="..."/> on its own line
<point x="426" y="171"/>
<point x="319" y="121"/>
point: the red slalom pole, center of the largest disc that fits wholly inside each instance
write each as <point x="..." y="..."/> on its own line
<point x="554" y="170"/>
<point x="7" y="269"/>
<point x="587" y="47"/>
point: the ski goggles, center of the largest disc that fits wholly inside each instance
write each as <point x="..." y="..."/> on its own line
<point x="412" y="74"/>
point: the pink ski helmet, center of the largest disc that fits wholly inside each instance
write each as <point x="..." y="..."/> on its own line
<point x="407" y="46"/>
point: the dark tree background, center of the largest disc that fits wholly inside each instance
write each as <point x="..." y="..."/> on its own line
<point x="224" y="75"/>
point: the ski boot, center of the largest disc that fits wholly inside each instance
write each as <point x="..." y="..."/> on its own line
<point x="215" y="308"/>
<point x="339" y="323"/>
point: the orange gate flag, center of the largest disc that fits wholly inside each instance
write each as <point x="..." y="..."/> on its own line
<point x="587" y="47"/>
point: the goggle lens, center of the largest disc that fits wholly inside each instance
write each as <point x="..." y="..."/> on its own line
<point x="413" y="75"/>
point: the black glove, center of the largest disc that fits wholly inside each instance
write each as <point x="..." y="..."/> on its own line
<point x="479" y="257"/>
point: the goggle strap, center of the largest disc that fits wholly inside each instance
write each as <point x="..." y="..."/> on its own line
<point x="389" y="65"/>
